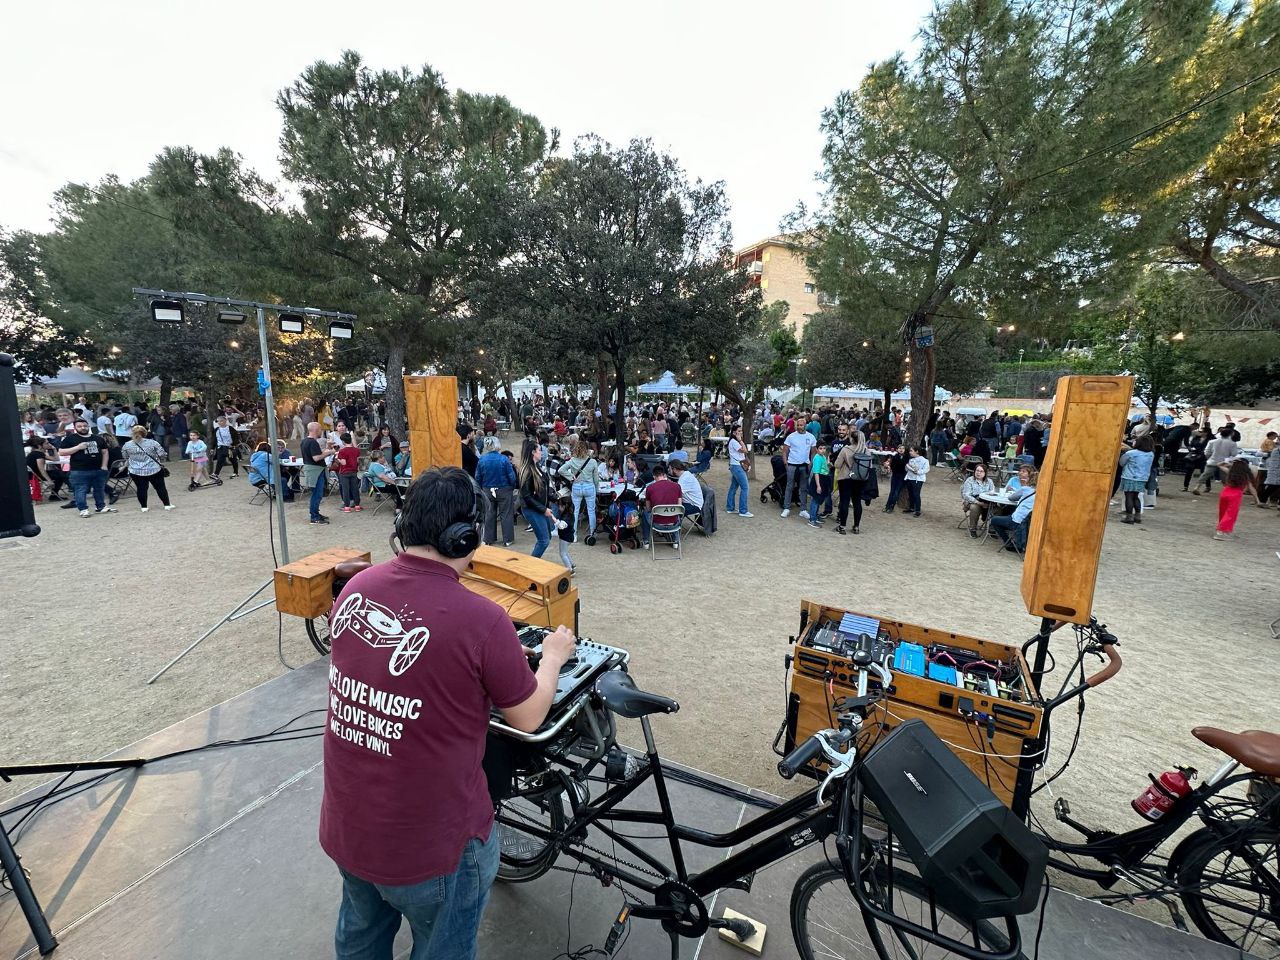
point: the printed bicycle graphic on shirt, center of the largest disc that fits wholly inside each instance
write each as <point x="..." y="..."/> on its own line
<point x="379" y="627"/>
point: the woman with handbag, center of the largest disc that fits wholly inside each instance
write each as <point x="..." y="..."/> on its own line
<point x="145" y="467"/>
<point x="853" y="468"/>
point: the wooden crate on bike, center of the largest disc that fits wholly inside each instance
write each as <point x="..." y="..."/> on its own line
<point x="304" y="588"/>
<point x="992" y="749"/>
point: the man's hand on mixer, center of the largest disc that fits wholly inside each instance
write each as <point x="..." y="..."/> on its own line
<point x="557" y="649"/>
<point x="559" y="646"/>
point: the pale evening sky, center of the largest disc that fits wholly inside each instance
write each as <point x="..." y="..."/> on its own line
<point x="733" y="90"/>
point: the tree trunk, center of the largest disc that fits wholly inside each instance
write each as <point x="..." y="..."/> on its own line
<point x="620" y="385"/>
<point x="395" y="391"/>
<point x="602" y="395"/>
<point x="166" y="392"/>
<point x="923" y="373"/>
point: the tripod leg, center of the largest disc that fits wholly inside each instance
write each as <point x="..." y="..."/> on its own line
<point x="45" y="939"/>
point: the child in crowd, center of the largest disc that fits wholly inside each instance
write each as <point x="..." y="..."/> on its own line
<point x="819" y="486"/>
<point x="897" y="477"/>
<point x="198" y="453"/>
<point x="1135" y="468"/>
<point x="346" y="462"/>
<point x="1239" y="479"/>
<point x="382" y="479"/>
<point x="917" y="467"/>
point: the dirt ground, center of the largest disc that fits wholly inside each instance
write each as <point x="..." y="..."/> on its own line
<point x="93" y="607"/>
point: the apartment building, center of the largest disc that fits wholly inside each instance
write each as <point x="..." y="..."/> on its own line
<point x="778" y="265"/>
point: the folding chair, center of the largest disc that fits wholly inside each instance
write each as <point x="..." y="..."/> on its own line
<point x="695" y="521"/>
<point x="953" y="467"/>
<point x="119" y="480"/>
<point x="263" y="493"/>
<point x="666" y="521"/>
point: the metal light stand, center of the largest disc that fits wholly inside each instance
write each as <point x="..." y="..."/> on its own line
<point x="269" y="397"/>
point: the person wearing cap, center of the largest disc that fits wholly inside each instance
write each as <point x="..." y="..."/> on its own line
<point x="496" y="476"/>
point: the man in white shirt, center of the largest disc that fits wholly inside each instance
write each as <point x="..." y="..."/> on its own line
<point x="799" y="444"/>
<point x="104" y="421"/>
<point x="690" y="489"/>
<point x="1218" y="453"/>
<point x="124" y="424"/>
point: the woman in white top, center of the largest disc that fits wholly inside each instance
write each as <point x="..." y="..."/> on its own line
<point x="738" y="467"/>
<point x="144" y="458"/>
<point x="917" y="467"/>
<point x="974" y="486"/>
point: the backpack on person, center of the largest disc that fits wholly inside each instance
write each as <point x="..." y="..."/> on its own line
<point x="863" y="467"/>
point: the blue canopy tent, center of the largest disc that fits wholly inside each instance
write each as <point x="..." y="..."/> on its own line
<point x="666" y="384"/>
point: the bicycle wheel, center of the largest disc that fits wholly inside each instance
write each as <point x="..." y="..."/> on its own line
<point x="318" y="631"/>
<point x="1230" y="899"/>
<point x="523" y="856"/>
<point x="828" y="925"/>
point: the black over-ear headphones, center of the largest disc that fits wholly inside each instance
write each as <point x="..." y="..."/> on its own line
<point x="463" y="536"/>
<point x="459" y="538"/>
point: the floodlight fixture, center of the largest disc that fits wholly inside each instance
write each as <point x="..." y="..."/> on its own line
<point x="232" y="317"/>
<point x="292" y="323"/>
<point x="166" y="311"/>
<point x="343" y="329"/>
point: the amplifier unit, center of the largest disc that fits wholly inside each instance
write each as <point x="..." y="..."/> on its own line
<point x="970" y="849"/>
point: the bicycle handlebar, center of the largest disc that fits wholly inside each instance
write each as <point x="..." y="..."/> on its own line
<point x="1114" y="663"/>
<point x="810" y="750"/>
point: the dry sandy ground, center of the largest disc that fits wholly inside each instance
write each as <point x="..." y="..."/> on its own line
<point x="93" y="607"/>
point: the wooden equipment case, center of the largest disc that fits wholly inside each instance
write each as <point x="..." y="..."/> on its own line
<point x="531" y="590"/>
<point x="304" y="588"/>
<point x="818" y="678"/>
<point x="431" y="405"/>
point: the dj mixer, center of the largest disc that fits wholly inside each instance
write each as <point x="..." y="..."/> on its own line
<point x="581" y="671"/>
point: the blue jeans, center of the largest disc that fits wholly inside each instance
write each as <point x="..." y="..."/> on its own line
<point x="646" y="527"/>
<point x="317" y="492"/>
<point x="541" y="530"/>
<point x="914" y="489"/>
<point x="896" y="485"/>
<point x="578" y="493"/>
<point x="820" y="504"/>
<point x="443" y="912"/>
<point x="738" y="482"/>
<point x="82" y="481"/>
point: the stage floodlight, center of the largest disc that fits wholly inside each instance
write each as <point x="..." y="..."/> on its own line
<point x="166" y="311"/>
<point x="291" y="323"/>
<point x="342" y="329"/>
<point x="231" y="317"/>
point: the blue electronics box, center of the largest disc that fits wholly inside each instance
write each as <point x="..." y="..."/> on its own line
<point x="909" y="658"/>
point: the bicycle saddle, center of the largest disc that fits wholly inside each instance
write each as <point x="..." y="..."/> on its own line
<point x="621" y="696"/>
<point x="349" y="568"/>
<point x="1256" y="749"/>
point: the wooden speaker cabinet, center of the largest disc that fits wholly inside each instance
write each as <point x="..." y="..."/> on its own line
<point x="1070" y="512"/>
<point x="431" y="404"/>
<point x="304" y="588"/>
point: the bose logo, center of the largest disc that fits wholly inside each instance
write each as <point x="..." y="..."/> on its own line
<point x="916" y="783"/>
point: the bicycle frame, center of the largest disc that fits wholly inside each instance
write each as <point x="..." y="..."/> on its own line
<point x="809" y="824"/>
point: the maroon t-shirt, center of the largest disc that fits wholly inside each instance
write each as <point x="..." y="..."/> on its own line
<point x="417" y="660"/>
<point x="662" y="493"/>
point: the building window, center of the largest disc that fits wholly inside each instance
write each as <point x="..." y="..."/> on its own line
<point x="809" y="288"/>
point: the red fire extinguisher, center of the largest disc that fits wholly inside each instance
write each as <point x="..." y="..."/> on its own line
<point x="1155" y="801"/>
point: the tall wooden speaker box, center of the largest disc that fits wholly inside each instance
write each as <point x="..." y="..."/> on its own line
<point x="1070" y="512"/>
<point x="431" y="404"/>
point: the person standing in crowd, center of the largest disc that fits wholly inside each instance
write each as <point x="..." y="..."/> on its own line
<point x="496" y="476"/>
<point x="738" y="467"/>
<point x="346" y="463"/>
<point x="297" y="429"/>
<point x="124" y="423"/>
<point x="1195" y="459"/>
<point x="1135" y="467"/>
<point x="917" y="467"/>
<point x="88" y="457"/>
<point x="470" y="460"/>
<point x="1238" y="479"/>
<point x="157" y="428"/>
<point x="535" y="492"/>
<point x="1033" y="442"/>
<point x="1218" y="454"/>
<point x="1270" y="475"/>
<point x="1264" y="485"/>
<point x="314" y="469"/>
<point x="582" y="473"/>
<point x="36" y="472"/>
<point x="178" y="427"/>
<point x="144" y="457"/>
<point x="819" y="486"/>
<point x="975" y="508"/>
<point x="799" y="444"/>
<point x="897" y="478"/>
<point x="225" y="449"/>
<point x="104" y="421"/>
<point x="853" y="467"/>
<point x="411" y="829"/>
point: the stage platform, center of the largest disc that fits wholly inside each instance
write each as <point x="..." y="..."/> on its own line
<point x="214" y="855"/>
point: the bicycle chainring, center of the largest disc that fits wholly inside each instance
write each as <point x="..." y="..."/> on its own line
<point x="691" y="916"/>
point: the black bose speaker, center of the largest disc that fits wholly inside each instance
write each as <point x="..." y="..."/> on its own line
<point x="971" y="850"/>
<point x="17" y="517"/>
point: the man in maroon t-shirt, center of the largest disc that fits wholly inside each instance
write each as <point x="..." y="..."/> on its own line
<point x="418" y="660"/>
<point x="662" y="492"/>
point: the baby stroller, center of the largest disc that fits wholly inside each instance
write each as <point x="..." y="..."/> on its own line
<point x="776" y="489"/>
<point x="622" y="521"/>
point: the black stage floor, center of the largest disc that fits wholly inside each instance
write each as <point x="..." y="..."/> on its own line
<point x="214" y="855"/>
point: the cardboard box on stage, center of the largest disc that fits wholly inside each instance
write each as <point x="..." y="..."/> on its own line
<point x="304" y="588"/>
<point x="818" y="678"/>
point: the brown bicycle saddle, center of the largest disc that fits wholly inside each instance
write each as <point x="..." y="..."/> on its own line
<point x="1256" y="749"/>
<point x="349" y="568"/>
